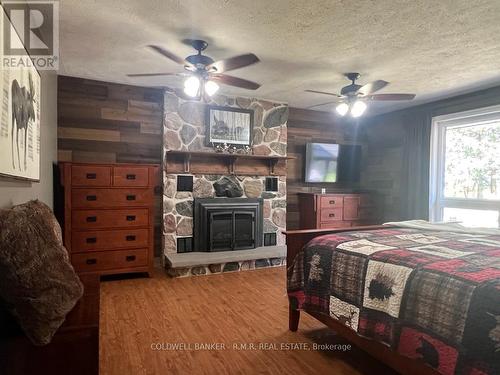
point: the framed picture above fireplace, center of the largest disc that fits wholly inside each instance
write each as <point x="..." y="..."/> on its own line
<point x="233" y="126"/>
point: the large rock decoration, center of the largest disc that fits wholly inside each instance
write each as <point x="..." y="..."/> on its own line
<point x="228" y="187"/>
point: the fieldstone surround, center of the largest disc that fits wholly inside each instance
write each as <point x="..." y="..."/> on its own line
<point x="184" y="129"/>
<point x="178" y="206"/>
<point x="184" y="123"/>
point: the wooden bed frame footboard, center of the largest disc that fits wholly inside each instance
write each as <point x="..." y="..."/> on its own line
<point x="295" y="241"/>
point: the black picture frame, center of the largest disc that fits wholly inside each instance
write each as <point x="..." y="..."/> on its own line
<point x="240" y="138"/>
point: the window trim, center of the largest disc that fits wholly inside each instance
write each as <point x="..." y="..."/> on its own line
<point x="437" y="200"/>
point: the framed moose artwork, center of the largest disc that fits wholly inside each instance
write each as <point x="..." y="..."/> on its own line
<point x="19" y="120"/>
<point x="233" y="126"/>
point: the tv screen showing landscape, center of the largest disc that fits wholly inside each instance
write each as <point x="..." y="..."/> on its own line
<point x="321" y="162"/>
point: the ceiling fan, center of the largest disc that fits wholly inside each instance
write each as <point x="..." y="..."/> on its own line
<point x="353" y="97"/>
<point x="203" y="73"/>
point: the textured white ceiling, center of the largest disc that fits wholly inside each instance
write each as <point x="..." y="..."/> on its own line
<point x="432" y="48"/>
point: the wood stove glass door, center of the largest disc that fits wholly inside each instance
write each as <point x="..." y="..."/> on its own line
<point x="244" y="230"/>
<point x="231" y="230"/>
<point x="221" y="231"/>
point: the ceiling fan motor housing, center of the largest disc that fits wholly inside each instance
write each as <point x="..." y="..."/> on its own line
<point x="199" y="45"/>
<point x="350" y="89"/>
<point x="200" y="61"/>
<point x="352" y="76"/>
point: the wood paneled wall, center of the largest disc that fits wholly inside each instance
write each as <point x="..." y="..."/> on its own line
<point x="108" y="122"/>
<point x="306" y="126"/>
<point x="102" y="122"/>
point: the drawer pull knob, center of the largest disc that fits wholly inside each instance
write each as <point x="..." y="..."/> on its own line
<point x="130" y="238"/>
<point x="332" y="202"/>
<point x="91" y="197"/>
<point x="91" y="219"/>
<point x="131" y="177"/>
<point x="331" y="215"/>
<point x="131" y="197"/>
<point x="130" y="217"/>
<point x="91" y="240"/>
<point x="91" y="176"/>
<point x="130" y="258"/>
<point x="91" y="261"/>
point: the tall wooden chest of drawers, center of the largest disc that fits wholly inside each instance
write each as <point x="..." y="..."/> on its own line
<point x="323" y="211"/>
<point x="108" y="216"/>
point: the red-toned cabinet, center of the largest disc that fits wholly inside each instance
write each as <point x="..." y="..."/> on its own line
<point x="322" y="211"/>
<point x="109" y="216"/>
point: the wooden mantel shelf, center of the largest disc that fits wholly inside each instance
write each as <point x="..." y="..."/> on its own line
<point x="227" y="155"/>
<point x="221" y="163"/>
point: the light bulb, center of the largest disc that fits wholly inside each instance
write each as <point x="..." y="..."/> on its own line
<point x="342" y="109"/>
<point x="192" y="86"/>
<point x="211" y="88"/>
<point x="358" y="108"/>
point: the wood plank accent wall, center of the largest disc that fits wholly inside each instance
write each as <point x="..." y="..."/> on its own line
<point x="107" y="122"/>
<point x="102" y="122"/>
<point x="306" y="126"/>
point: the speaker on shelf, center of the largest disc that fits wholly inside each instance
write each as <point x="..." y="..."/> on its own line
<point x="184" y="183"/>
<point x="271" y="183"/>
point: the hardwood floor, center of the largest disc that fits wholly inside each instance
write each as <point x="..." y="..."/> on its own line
<point x="231" y="310"/>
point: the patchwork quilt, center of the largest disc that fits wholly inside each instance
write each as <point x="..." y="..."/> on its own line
<point x="431" y="295"/>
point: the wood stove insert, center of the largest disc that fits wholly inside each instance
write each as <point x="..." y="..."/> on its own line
<point x="225" y="224"/>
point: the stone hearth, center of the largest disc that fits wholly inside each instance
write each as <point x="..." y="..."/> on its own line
<point x="195" y="264"/>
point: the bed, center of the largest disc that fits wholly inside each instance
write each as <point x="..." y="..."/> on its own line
<point x="422" y="298"/>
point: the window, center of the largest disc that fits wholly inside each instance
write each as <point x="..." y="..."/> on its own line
<point x="465" y="168"/>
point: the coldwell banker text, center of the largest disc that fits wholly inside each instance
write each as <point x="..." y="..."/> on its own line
<point x="249" y="346"/>
<point x="30" y="34"/>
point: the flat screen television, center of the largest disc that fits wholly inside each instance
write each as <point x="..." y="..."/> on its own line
<point x="332" y="162"/>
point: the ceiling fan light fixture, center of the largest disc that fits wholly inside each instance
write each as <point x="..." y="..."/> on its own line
<point x="342" y="109"/>
<point x="192" y="86"/>
<point x="211" y="88"/>
<point x="358" y="108"/>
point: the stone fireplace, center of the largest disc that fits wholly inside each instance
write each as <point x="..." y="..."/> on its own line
<point x="184" y="131"/>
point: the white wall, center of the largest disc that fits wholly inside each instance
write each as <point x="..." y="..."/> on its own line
<point x="14" y="191"/>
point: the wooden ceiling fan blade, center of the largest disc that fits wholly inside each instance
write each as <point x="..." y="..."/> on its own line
<point x="324" y="93"/>
<point x="390" y="97"/>
<point x="372" y="87"/>
<point x="151" y="74"/>
<point x="322" y="104"/>
<point x="233" y="63"/>
<point x="235" y="81"/>
<point x="169" y="55"/>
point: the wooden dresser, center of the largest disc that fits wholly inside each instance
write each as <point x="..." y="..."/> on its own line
<point x="321" y="211"/>
<point x="108" y="216"/>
